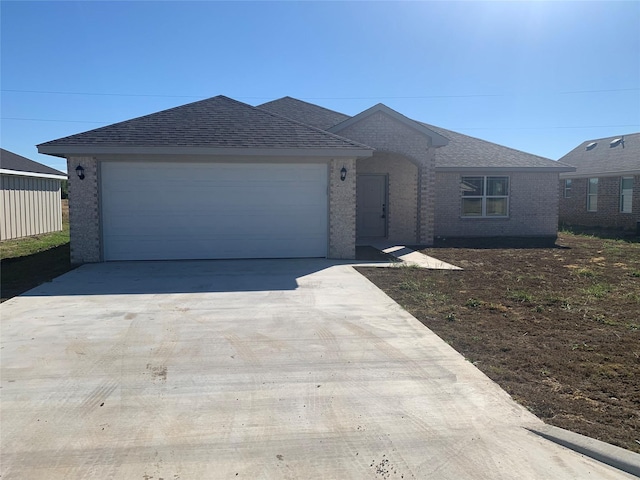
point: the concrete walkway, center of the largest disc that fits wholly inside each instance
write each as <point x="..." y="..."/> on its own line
<point x="249" y="369"/>
<point x="413" y="258"/>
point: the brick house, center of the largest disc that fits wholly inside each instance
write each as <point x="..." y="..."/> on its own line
<point x="222" y="179"/>
<point x="604" y="190"/>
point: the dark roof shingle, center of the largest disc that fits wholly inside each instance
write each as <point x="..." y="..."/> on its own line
<point x="218" y="122"/>
<point x="605" y="158"/>
<point x="305" y="112"/>
<point x="18" y="163"/>
<point x="464" y="151"/>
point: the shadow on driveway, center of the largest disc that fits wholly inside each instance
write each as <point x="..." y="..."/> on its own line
<point x="186" y="276"/>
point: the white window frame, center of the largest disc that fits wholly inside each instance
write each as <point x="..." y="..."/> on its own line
<point x="626" y="195"/>
<point x="592" y="198"/>
<point x="484" y="197"/>
<point x="567" y="187"/>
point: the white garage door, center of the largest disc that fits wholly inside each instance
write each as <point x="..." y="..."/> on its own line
<point x="154" y="211"/>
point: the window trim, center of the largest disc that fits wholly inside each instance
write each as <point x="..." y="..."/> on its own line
<point x="568" y="183"/>
<point x="484" y="197"/>
<point x="629" y="193"/>
<point x="591" y="196"/>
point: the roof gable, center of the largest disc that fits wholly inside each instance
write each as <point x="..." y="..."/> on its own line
<point x="437" y="140"/>
<point x="218" y="123"/>
<point x="606" y="156"/>
<point x="305" y="112"/>
<point x="18" y="163"/>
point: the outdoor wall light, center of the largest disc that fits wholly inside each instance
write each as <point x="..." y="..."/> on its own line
<point x="343" y="174"/>
<point x="80" y="172"/>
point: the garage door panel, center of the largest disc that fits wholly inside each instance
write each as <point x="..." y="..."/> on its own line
<point x="253" y="224"/>
<point x="174" y="211"/>
<point x="219" y="198"/>
<point x="178" y="249"/>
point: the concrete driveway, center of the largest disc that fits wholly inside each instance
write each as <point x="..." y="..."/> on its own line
<point x="249" y="369"/>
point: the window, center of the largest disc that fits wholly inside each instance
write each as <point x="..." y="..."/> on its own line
<point x="592" y="195"/>
<point x="626" y="194"/>
<point x="567" y="188"/>
<point x="485" y="196"/>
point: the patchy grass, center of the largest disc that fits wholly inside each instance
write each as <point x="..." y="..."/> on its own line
<point x="557" y="327"/>
<point x="27" y="262"/>
<point x="26" y="246"/>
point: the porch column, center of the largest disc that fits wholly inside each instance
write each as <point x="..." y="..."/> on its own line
<point x="342" y="209"/>
<point x="84" y="215"/>
<point x="426" y="197"/>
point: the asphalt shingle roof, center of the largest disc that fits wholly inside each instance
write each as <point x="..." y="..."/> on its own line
<point x="13" y="161"/>
<point x="464" y="151"/>
<point x="218" y="122"/>
<point x="305" y="112"/>
<point x="603" y="158"/>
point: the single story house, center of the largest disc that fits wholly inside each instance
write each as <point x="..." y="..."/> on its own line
<point x="30" y="200"/>
<point x="219" y="178"/>
<point x="604" y="190"/>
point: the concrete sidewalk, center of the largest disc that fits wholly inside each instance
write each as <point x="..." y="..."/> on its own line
<point x="249" y="369"/>
<point x="413" y="258"/>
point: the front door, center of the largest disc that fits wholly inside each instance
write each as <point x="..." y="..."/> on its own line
<point x="371" y="207"/>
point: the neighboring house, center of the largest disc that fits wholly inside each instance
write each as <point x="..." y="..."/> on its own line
<point x="222" y="179"/>
<point x="604" y="190"/>
<point x="30" y="200"/>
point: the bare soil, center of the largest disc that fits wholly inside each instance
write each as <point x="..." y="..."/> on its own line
<point x="558" y="327"/>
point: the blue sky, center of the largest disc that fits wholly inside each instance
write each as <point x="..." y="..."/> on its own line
<point x="540" y="77"/>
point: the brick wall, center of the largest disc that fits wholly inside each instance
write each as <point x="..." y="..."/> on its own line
<point x="387" y="134"/>
<point x="573" y="210"/>
<point x="84" y="213"/>
<point x="342" y="210"/>
<point x="533" y="207"/>
<point x="402" y="211"/>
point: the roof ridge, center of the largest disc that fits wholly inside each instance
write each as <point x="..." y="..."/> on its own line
<point x="610" y="136"/>
<point x="308" y="103"/>
<point x="352" y="142"/>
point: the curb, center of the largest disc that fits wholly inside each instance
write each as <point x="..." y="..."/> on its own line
<point x="611" y="455"/>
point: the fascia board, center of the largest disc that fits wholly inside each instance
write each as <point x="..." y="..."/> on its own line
<point x="91" y="150"/>
<point x="601" y="174"/>
<point x="505" y="169"/>
<point x="19" y="173"/>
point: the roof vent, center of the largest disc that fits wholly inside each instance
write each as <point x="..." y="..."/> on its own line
<point x="616" y="141"/>
<point x="592" y="145"/>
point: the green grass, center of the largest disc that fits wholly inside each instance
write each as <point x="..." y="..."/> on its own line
<point x="521" y="296"/>
<point x="597" y="290"/>
<point x="23" y="247"/>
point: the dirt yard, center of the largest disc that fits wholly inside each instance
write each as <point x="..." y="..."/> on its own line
<point x="558" y="328"/>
